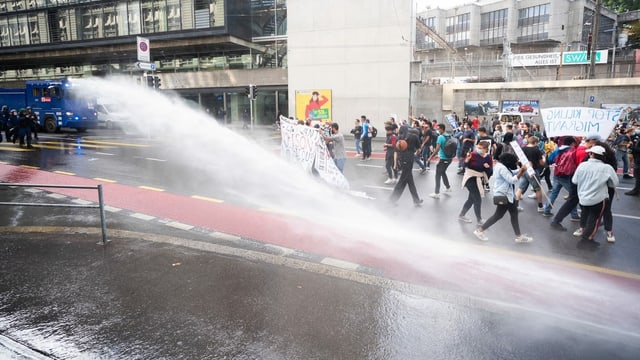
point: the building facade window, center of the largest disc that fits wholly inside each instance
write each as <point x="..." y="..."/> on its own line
<point x="533" y="22"/>
<point x="458" y="30"/>
<point x="493" y="27"/>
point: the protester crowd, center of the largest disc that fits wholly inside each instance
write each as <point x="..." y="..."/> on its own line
<point x="586" y="167"/>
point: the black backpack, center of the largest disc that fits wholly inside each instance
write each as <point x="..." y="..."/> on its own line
<point x="374" y="131"/>
<point x="450" y="147"/>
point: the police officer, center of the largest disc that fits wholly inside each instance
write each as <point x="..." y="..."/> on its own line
<point x="12" y="123"/>
<point x="34" y="121"/>
<point x="24" y="128"/>
<point x="4" y="118"/>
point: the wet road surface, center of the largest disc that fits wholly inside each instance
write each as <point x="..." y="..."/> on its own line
<point x="147" y="294"/>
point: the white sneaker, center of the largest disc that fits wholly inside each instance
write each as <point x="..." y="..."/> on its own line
<point x="465" y="219"/>
<point x="578" y="232"/>
<point x="447" y="190"/>
<point x="520" y="208"/>
<point x="523" y="238"/>
<point x="389" y="181"/>
<point x="541" y="210"/>
<point x="480" y="235"/>
<point x="532" y="196"/>
<point x="435" y="196"/>
<point x="480" y="222"/>
<point x="610" y="237"/>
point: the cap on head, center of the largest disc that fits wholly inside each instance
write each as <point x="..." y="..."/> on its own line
<point x="593" y="137"/>
<point x="599" y="150"/>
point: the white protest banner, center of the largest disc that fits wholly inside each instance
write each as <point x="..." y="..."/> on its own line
<point x="523" y="158"/>
<point x="303" y="145"/>
<point x="452" y="121"/>
<point x="579" y="121"/>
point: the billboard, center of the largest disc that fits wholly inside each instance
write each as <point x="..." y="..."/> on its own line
<point x="480" y="107"/>
<point x="526" y="107"/>
<point x="557" y="58"/>
<point x="314" y="105"/>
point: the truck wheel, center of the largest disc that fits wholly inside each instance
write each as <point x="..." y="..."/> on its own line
<point x="50" y="125"/>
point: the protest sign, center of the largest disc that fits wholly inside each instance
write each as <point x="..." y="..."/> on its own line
<point x="579" y="121"/>
<point x="304" y="146"/>
<point x="523" y="158"/>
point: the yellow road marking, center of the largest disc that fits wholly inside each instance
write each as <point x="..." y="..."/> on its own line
<point x="566" y="263"/>
<point x="30" y="167"/>
<point x="113" y="143"/>
<point x="150" y="188"/>
<point x="12" y="147"/>
<point x="64" y="172"/>
<point x="70" y="145"/>
<point x="105" y="180"/>
<point x="278" y="211"/>
<point x="206" y="198"/>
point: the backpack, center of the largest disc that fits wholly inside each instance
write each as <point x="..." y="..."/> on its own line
<point x="450" y="147"/>
<point x="374" y="131"/>
<point x="566" y="164"/>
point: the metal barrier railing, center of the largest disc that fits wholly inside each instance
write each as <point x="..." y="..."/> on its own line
<point x="100" y="204"/>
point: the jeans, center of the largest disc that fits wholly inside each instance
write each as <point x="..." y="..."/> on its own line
<point x="512" y="208"/>
<point x="592" y="215"/>
<point x="624" y="156"/>
<point x="388" y="162"/>
<point x="340" y="164"/>
<point x="568" y="206"/>
<point x="441" y="173"/>
<point x="366" y="147"/>
<point x="474" y="199"/>
<point x="358" y="147"/>
<point x="426" y="152"/>
<point x="406" y="178"/>
<point x="560" y="182"/>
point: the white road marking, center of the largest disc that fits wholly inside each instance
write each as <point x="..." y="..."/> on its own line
<point x="379" y="187"/>
<point x="627" y="216"/>
<point x="81" y="202"/>
<point x="373" y="166"/>
<point x="340" y="263"/>
<point x="225" y="236"/>
<point x="154" y="159"/>
<point x="142" y="216"/>
<point x="102" y="153"/>
<point x="112" y="209"/>
<point x="179" y="225"/>
<point x="56" y="196"/>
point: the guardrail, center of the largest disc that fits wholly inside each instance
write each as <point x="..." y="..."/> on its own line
<point x="100" y="204"/>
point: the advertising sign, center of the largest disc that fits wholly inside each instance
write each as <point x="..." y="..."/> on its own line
<point x="313" y="104"/>
<point x="480" y="107"/>
<point x="526" y="107"/>
<point x="579" y="121"/>
<point x="556" y="58"/>
<point x="580" y="57"/>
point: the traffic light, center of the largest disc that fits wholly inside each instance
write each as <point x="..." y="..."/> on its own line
<point x="254" y="93"/>
<point x="156" y="82"/>
<point x="149" y="80"/>
<point x="247" y="91"/>
<point x="589" y="44"/>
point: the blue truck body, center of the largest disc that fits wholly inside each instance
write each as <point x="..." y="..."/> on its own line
<point x="58" y="104"/>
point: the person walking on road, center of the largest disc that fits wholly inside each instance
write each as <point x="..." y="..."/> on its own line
<point x="443" y="164"/>
<point x="365" y="137"/>
<point x="506" y="175"/>
<point x="357" y="134"/>
<point x="635" y="151"/>
<point x="592" y="179"/>
<point x="389" y="155"/>
<point x="572" y="200"/>
<point x="404" y="161"/>
<point x="564" y="159"/>
<point x="337" y="139"/>
<point x="478" y="170"/>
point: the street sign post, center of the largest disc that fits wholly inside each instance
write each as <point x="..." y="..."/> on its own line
<point x="146" y="66"/>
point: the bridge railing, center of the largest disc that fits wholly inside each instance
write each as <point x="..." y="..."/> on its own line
<point x="99" y="206"/>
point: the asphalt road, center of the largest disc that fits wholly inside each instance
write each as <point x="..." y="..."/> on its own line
<point x="264" y="293"/>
